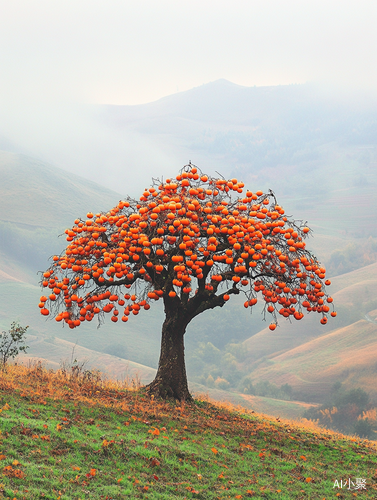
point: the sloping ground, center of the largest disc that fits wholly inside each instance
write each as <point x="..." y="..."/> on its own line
<point x="268" y="406"/>
<point x="56" y="352"/>
<point x="360" y="275"/>
<point x="344" y="209"/>
<point x="69" y="438"/>
<point x="363" y="291"/>
<point x="36" y="194"/>
<point x="311" y="357"/>
<point x="37" y="203"/>
<point x="12" y="269"/>
<point x="354" y="294"/>
<point x="347" y="355"/>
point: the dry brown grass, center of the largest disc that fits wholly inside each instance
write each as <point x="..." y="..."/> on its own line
<point x="303" y="424"/>
<point x="38" y="384"/>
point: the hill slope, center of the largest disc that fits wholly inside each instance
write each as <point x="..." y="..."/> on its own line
<point x="311" y="357"/>
<point x="40" y="195"/>
<point x="353" y="295"/>
<point x="75" y="437"/>
<point x="347" y="355"/>
<point x="37" y="203"/>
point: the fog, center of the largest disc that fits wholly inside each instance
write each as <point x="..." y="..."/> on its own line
<point x="69" y="136"/>
<point x="58" y="59"/>
<point x="125" y="52"/>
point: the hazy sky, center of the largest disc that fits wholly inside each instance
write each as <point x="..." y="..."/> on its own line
<point x="130" y="52"/>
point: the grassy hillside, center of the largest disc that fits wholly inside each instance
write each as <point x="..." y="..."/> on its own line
<point x="311" y="357"/>
<point x="74" y="438"/>
<point x="347" y="355"/>
<point x="353" y="297"/>
<point x="37" y="203"/>
<point x="55" y="353"/>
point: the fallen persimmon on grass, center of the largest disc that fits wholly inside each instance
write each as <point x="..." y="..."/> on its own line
<point x="70" y="439"/>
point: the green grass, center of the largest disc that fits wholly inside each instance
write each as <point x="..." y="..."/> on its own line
<point x="90" y="440"/>
<point x="261" y="404"/>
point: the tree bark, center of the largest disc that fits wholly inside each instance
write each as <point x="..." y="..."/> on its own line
<point x="171" y="379"/>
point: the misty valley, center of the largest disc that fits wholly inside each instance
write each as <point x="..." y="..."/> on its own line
<point x="319" y="159"/>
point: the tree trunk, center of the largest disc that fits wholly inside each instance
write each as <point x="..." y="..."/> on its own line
<point x="171" y="379"/>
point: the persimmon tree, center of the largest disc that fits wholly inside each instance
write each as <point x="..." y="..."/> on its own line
<point x="192" y="241"/>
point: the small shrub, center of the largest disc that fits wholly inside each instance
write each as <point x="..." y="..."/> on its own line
<point x="12" y="342"/>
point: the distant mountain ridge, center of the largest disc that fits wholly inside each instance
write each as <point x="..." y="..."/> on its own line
<point x="317" y="150"/>
<point x="226" y="104"/>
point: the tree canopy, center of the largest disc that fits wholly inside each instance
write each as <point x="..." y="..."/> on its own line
<point x="192" y="241"/>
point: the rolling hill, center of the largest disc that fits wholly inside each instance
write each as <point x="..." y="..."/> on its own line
<point x="38" y="195"/>
<point x="55" y="353"/>
<point x="311" y="358"/>
<point x="353" y="295"/>
<point x="347" y="355"/>
<point x="37" y="203"/>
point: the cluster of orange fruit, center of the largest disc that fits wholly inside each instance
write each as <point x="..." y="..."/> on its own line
<point x="193" y="234"/>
